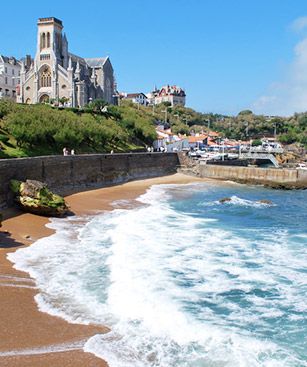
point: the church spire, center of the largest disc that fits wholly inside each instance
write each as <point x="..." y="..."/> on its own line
<point x="78" y="70"/>
<point x="69" y="64"/>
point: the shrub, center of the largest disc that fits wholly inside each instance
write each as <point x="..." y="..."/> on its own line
<point x="4" y="138"/>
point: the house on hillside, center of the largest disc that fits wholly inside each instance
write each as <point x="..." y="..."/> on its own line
<point x="138" y="98"/>
<point x="9" y="77"/>
<point x="172" y="94"/>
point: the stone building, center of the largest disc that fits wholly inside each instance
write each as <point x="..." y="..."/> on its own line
<point x="9" y="76"/>
<point x="58" y="76"/>
<point x="171" y="94"/>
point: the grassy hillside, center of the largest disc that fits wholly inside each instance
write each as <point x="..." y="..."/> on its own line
<point x="30" y="130"/>
<point x="41" y="129"/>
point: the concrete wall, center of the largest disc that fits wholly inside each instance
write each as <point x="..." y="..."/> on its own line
<point x="284" y="178"/>
<point x="68" y="174"/>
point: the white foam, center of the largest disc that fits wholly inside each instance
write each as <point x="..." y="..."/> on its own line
<point x="56" y="348"/>
<point x="235" y="200"/>
<point x="156" y="276"/>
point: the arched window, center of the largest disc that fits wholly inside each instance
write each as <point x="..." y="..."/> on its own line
<point x="43" y="41"/>
<point x="48" y="39"/>
<point x="45" y="78"/>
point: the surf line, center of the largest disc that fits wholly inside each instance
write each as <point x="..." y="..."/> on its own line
<point x="17" y="285"/>
<point x="56" y="348"/>
<point x="15" y="278"/>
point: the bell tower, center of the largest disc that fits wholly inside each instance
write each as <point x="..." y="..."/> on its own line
<point x="50" y="39"/>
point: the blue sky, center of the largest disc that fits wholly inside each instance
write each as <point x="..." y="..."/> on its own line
<point x="228" y="55"/>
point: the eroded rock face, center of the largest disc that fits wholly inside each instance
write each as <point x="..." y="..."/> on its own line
<point x="35" y="197"/>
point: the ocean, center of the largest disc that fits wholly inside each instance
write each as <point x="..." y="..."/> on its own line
<point x="182" y="279"/>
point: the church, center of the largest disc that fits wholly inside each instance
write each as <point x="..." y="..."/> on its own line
<point x="58" y="76"/>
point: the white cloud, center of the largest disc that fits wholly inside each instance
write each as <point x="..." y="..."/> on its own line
<point x="299" y="24"/>
<point x="290" y="95"/>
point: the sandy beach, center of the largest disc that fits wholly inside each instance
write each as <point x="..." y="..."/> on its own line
<point x="29" y="337"/>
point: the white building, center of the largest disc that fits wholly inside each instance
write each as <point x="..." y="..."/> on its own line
<point x="139" y="98"/>
<point x="9" y="77"/>
<point x="171" y="94"/>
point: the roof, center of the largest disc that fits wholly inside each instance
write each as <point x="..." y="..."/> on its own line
<point x="135" y="95"/>
<point x="170" y="90"/>
<point x="196" y="139"/>
<point x="9" y="60"/>
<point x="76" y="58"/>
<point x="213" y="133"/>
<point x="96" y="62"/>
<point x="50" y="20"/>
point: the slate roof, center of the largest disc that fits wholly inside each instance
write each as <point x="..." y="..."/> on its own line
<point x="96" y="62"/>
<point x="10" y="60"/>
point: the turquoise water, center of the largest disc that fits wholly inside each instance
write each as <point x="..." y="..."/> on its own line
<point x="182" y="279"/>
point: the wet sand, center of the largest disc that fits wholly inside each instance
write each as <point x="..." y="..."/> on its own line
<point x="29" y="337"/>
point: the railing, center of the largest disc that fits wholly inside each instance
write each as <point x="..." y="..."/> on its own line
<point x="260" y="155"/>
<point x="262" y="150"/>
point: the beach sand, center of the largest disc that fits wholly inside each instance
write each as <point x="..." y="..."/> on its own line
<point x="29" y="337"/>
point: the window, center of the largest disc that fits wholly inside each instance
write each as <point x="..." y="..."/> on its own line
<point x="48" y="39"/>
<point x="44" y="57"/>
<point x="5" y="70"/>
<point x="63" y="86"/>
<point x="13" y="72"/>
<point x="13" y="81"/>
<point x="6" y="80"/>
<point x="28" y="88"/>
<point x="43" y="41"/>
<point x="45" y="79"/>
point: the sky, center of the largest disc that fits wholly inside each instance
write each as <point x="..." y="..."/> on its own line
<point x="227" y="55"/>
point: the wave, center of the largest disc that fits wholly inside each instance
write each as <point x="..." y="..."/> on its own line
<point x="235" y="200"/>
<point x="176" y="289"/>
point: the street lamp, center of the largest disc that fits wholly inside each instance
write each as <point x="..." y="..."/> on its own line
<point x="165" y="118"/>
<point x="208" y="121"/>
<point x="246" y="130"/>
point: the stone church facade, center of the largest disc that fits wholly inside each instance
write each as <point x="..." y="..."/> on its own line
<point x="58" y="76"/>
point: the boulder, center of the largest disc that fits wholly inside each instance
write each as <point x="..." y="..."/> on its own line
<point x="225" y="200"/>
<point x="35" y="197"/>
<point x="264" y="201"/>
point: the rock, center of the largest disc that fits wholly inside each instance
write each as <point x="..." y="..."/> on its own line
<point x="35" y="197"/>
<point x="264" y="201"/>
<point x="225" y="200"/>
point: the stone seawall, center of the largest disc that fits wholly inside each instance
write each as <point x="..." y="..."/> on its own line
<point x="279" y="178"/>
<point x="71" y="173"/>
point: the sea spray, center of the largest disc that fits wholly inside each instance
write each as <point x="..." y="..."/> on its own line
<point x="183" y="280"/>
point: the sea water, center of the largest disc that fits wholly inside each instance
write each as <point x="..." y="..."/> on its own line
<point x="182" y="279"/>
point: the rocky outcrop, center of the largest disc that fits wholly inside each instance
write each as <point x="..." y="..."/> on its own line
<point x="225" y="200"/>
<point x="265" y="201"/>
<point x="35" y="197"/>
